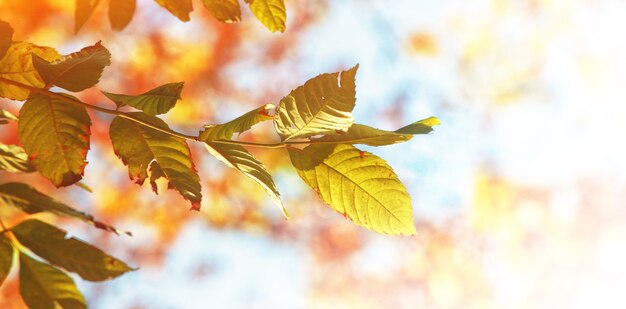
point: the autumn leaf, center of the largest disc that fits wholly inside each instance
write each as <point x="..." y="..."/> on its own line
<point x="84" y="9"/>
<point x="13" y="159"/>
<point x="6" y="257"/>
<point x="121" y="13"/>
<point x="237" y="125"/>
<point x="77" y="71"/>
<point x="145" y="150"/>
<point x="55" y="135"/>
<point x="240" y="159"/>
<point x="357" y="184"/>
<point x="44" y="286"/>
<point x="154" y="102"/>
<point x="271" y="13"/>
<point x="179" y="8"/>
<point x="53" y="245"/>
<point x="17" y="65"/>
<point x="31" y="201"/>
<point x="5" y="116"/>
<point x="6" y="37"/>
<point x="362" y="134"/>
<point x="323" y="105"/>
<point x="224" y="10"/>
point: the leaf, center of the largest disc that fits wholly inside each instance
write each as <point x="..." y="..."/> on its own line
<point x="145" y="149"/>
<point x="31" y="201"/>
<point x="6" y="37"/>
<point x="76" y="71"/>
<point x="357" y="184"/>
<point x="238" y="125"/>
<point x="121" y="13"/>
<point x="84" y="9"/>
<point x="179" y="8"/>
<point x="17" y="65"/>
<point x="6" y="257"/>
<point x="154" y="102"/>
<point x="55" y="135"/>
<point x="13" y="159"/>
<point x="5" y="116"/>
<point x="423" y="126"/>
<point x="323" y="105"/>
<point x="224" y="10"/>
<point x="271" y="13"/>
<point x="53" y="245"/>
<point x="44" y="286"/>
<point x="240" y="159"/>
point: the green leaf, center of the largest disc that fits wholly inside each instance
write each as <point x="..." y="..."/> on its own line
<point x="323" y="105"/>
<point x="121" y="13"/>
<point x="55" y="135"/>
<point x="53" y="245"/>
<point x="423" y="126"/>
<point x="6" y="37"/>
<point x="31" y="201"/>
<point x="239" y="125"/>
<point x="46" y="287"/>
<point x="13" y="159"/>
<point x="240" y="159"/>
<point x="179" y="8"/>
<point x="271" y="13"/>
<point x="145" y="150"/>
<point x="154" y="102"/>
<point x="6" y="257"/>
<point x="76" y="71"/>
<point x="17" y="65"/>
<point x="357" y="184"/>
<point x="224" y="10"/>
<point x="5" y="117"/>
<point x="84" y="9"/>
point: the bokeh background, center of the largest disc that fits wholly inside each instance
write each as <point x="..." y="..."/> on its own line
<point x="518" y="196"/>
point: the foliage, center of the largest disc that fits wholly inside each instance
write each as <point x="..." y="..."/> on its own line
<point x="314" y="122"/>
<point x="271" y="13"/>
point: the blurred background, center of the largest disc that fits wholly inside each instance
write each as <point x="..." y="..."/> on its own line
<point x="516" y="196"/>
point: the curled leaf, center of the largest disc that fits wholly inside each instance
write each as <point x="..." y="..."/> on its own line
<point x="238" y="125"/>
<point x="423" y="126"/>
<point x="13" y="159"/>
<point x="6" y="37"/>
<point x="154" y="102"/>
<point x="5" y="116"/>
<point x="6" y="257"/>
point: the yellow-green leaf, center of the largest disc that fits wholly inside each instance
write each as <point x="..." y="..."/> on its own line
<point x="323" y="105"/>
<point x="145" y="149"/>
<point x="271" y="13"/>
<point x="362" y="134"/>
<point x="31" y="201"/>
<point x="154" y="102"/>
<point x="224" y="10"/>
<point x="84" y="9"/>
<point x="240" y="159"/>
<point x="238" y="125"/>
<point x="121" y="13"/>
<point x="17" y="65"/>
<point x="179" y="8"/>
<point x="76" y="71"/>
<point x="423" y="126"/>
<point x="55" y="135"/>
<point x="46" y="287"/>
<point x="13" y="159"/>
<point x="71" y="254"/>
<point x="6" y="257"/>
<point x="6" y="37"/>
<point x="5" y="116"/>
<point x="357" y="184"/>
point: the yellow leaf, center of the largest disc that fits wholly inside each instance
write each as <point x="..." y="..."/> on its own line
<point x="84" y="9"/>
<point x="362" y="134"/>
<point x="55" y="135"/>
<point x="13" y="159"/>
<point x="357" y="184"/>
<point x="154" y="102"/>
<point x="224" y="10"/>
<point x="76" y="71"/>
<point x="17" y="65"/>
<point x="6" y="257"/>
<point x="6" y="37"/>
<point x="237" y="125"/>
<point x="271" y="13"/>
<point x="179" y="8"/>
<point x="323" y="105"/>
<point x="121" y="13"/>
<point x="6" y="116"/>
<point x="423" y="126"/>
